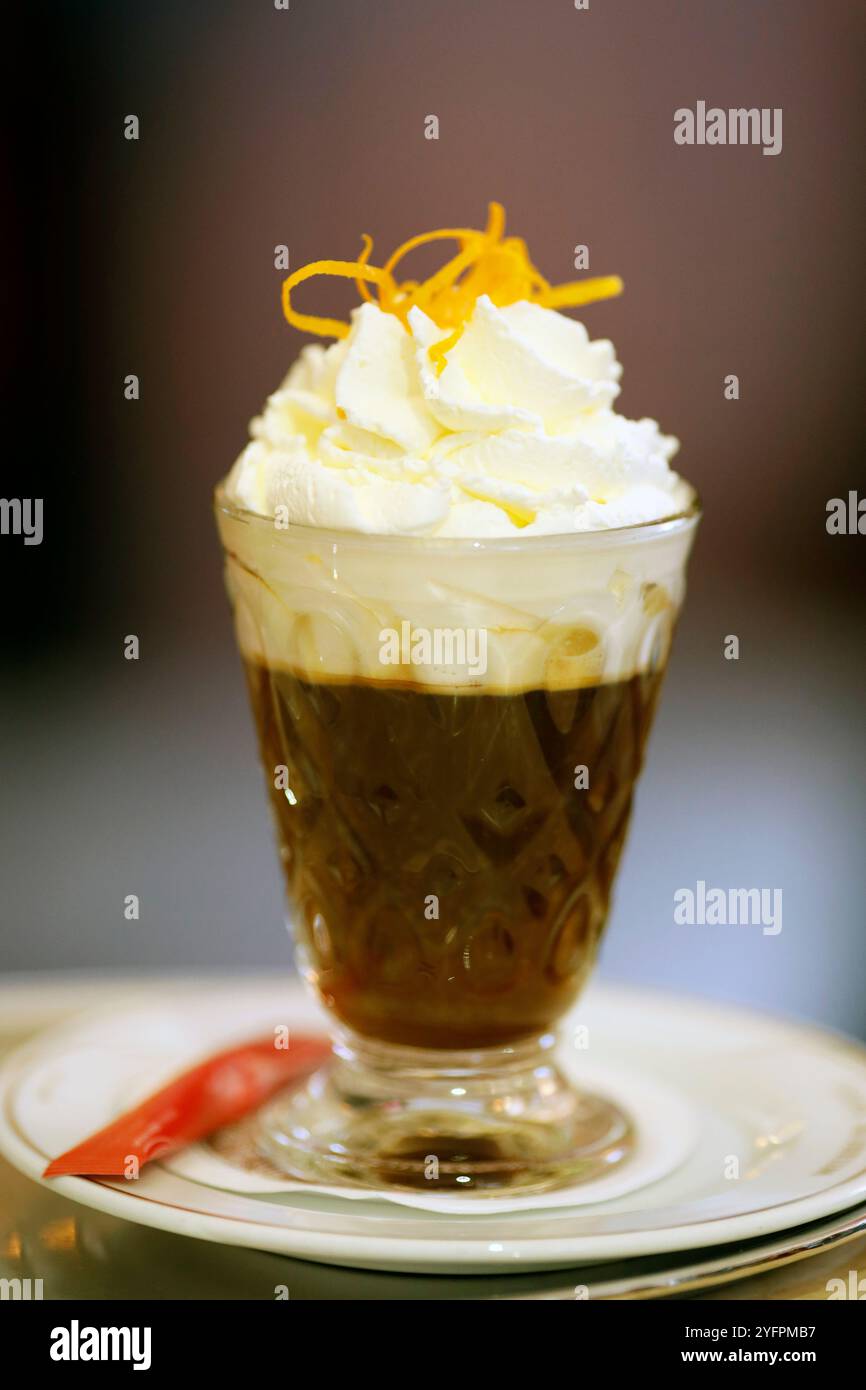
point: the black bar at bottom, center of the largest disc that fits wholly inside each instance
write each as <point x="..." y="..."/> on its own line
<point x="248" y="1337"/>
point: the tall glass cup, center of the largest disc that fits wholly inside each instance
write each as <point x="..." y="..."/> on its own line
<point x="451" y="731"/>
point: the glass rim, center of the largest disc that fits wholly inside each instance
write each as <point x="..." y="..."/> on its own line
<point x="681" y="520"/>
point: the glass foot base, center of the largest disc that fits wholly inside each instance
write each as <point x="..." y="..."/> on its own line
<point x="483" y="1122"/>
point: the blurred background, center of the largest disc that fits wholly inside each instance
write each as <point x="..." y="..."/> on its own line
<point x="306" y="127"/>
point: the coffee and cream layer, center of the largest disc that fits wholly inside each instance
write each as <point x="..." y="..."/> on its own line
<point x="553" y="613"/>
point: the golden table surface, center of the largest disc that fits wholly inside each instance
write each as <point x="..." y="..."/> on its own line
<point x="79" y="1253"/>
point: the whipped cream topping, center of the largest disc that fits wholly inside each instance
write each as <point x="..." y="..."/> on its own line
<point x="516" y="435"/>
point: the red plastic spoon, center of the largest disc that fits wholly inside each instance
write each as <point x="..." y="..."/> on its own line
<point x="210" y="1095"/>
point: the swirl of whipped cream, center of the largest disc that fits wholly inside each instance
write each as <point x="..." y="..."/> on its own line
<point x="516" y="435"/>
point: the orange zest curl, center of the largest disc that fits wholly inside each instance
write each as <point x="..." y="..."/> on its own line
<point x="486" y="262"/>
<point x="311" y="323"/>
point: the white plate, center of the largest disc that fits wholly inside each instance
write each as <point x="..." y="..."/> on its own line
<point x="783" y="1103"/>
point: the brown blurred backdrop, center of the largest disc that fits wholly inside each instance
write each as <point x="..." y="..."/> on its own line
<point x="155" y="257"/>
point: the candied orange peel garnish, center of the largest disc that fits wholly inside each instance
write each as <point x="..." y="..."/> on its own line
<point x="486" y="262"/>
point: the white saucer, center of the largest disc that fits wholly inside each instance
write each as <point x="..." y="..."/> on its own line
<point x="783" y="1102"/>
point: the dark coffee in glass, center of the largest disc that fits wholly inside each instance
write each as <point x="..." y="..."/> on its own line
<point x="449" y="856"/>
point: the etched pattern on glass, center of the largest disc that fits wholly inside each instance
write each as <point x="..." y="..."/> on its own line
<point x="397" y="794"/>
